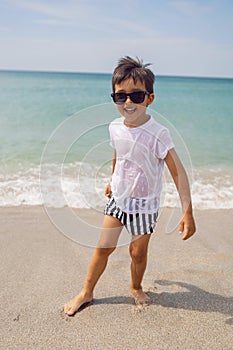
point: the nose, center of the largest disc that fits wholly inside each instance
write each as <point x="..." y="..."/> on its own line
<point x="128" y="99"/>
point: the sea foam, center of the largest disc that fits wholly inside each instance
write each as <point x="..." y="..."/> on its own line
<point x="78" y="189"/>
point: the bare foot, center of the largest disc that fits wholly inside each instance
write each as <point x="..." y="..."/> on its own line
<point x="75" y="304"/>
<point x="140" y="297"/>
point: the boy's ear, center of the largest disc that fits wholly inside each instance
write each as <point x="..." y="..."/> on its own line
<point x="151" y="98"/>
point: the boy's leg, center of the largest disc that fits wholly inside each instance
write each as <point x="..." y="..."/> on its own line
<point x="138" y="251"/>
<point x="110" y="233"/>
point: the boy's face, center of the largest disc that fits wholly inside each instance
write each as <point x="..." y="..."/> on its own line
<point x="134" y="113"/>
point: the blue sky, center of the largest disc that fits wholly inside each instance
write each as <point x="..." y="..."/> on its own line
<point x="179" y="37"/>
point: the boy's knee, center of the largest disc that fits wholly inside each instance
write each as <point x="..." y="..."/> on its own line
<point x="105" y="251"/>
<point x="137" y="254"/>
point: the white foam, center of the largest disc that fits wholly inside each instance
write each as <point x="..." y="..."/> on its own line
<point x="85" y="188"/>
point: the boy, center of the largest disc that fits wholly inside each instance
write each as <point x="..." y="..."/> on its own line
<point x="141" y="146"/>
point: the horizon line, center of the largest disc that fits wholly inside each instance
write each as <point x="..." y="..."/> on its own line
<point x="107" y="73"/>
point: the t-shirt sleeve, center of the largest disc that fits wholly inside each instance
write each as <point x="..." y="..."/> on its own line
<point x="163" y="144"/>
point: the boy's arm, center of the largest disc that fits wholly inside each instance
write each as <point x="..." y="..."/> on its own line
<point x="108" y="191"/>
<point x="178" y="173"/>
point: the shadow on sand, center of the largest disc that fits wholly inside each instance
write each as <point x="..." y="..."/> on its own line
<point x="193" y="298"/>
<point x="190" y="297"/>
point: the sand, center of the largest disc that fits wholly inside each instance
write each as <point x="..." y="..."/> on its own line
<point x="190" y="284"/>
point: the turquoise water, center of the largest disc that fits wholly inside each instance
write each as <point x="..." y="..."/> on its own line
<point x="202" y="109"/>
<point x="66" y="116"/>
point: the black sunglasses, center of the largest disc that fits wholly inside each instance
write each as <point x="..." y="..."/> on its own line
<point x="135" y="96"/>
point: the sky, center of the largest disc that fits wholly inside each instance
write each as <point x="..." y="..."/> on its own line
<point x="188" y="38"/>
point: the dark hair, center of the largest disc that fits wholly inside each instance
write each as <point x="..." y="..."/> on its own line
<point x="129" y="67"/>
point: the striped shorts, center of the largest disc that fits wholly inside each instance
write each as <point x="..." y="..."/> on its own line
<point x="136" y="224"/>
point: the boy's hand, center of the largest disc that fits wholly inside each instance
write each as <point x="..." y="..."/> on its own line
<point x="187" y="226"/>
<point x="108" y="191"/>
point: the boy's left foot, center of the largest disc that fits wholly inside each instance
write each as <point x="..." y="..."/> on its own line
<point x="76" y="304"/>
<point x="140" y="297"/>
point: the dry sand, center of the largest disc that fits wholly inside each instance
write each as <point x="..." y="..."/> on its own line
<point x="190" y="284"/>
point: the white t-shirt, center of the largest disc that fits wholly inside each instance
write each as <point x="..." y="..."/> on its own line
<point x="137" y="178"/>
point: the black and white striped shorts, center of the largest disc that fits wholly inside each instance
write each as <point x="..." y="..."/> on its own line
<point x="136" y="224"/>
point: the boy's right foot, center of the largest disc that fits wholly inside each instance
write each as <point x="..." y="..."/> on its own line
<point x="75" y="304"/>
<point x="140" y="297"/>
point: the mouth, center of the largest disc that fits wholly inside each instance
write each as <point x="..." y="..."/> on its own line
<point x="130" y="110"/>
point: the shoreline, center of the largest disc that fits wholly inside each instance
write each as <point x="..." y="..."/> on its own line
<point x="190" y="284"/>
<point x="211" y="187"/>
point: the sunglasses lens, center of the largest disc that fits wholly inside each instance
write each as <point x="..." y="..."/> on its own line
<point x="119" y="97"/>
<point x="137" y="96"/>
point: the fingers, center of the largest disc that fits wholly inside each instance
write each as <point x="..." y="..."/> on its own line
<point x="186" y="236"/>
<point x="181" y="227"/>
<point x="187" y="232"/>
<point x="187" y="226"/>
<point x="108" y="192"/>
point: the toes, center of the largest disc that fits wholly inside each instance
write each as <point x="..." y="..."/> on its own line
<point x="76" y="305"/>
<point x="67" y="308"/>
<point x="141" y="298"/>
<point x="70" y="312"/>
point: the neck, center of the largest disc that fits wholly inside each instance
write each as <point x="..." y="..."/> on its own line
<point x="137" y="123"/>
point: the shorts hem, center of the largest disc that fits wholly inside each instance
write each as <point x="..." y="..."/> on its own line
<point x="137" y="224"/>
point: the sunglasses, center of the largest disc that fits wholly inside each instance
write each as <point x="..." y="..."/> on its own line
<point x="136" y="96"/>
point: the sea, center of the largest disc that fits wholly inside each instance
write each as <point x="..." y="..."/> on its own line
<point x="55" y="143"/>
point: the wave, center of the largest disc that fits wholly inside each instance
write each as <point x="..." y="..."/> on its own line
<point x="80" y="185"/>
